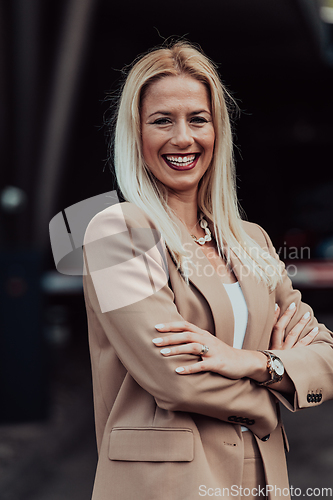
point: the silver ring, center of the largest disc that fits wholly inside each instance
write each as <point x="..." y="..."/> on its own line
<point x="204" y="350"/>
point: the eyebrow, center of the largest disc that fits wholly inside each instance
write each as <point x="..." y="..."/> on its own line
<point x="167" y="113"/>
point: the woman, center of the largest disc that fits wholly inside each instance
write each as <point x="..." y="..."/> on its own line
<point x="181" y="301"/>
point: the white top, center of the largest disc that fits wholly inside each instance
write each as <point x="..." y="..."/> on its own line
<point x="240" y="311"/>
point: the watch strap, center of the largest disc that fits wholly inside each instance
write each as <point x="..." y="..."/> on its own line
<point x="274" y="376"/>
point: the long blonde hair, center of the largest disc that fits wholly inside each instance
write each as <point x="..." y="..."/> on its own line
<point x="217" y="198"/>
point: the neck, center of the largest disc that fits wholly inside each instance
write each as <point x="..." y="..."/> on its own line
<point x="186" y="208"/>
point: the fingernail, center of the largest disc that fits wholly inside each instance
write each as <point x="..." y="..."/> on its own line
<point x="315" y="329"/>
<point x="306" y="315"/>
<point x="157" y="341"/>
<point x="160" y="325"/>
<point x="179" y="369"/>
<point x="292" y="306"/>
<point x="276" y="307"/>
<point x="165" y="351"/>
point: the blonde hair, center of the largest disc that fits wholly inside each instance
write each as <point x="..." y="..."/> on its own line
<point x="217" y="198"/>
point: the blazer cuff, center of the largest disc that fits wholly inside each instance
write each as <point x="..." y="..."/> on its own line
<point x="310" y="369"/>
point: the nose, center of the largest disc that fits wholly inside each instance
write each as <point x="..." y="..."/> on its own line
<point x="182" y="135"/>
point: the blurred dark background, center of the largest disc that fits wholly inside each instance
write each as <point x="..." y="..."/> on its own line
<point x="59" y="63"/>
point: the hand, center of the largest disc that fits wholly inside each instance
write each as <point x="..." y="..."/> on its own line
<point x="182" y="337"/>
<point x="290" y="341"/>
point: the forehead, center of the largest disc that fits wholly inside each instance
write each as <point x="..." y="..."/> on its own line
<point x="176" y="91"/>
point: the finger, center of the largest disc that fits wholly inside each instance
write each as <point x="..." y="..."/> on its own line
<point x="192" y="348"/>
<point x="201" y="366"/>
<point x="308" y="338"/>
<point x="276" y="339"/>
<point x="276" y="313"/>
<point x="279" y="328"/>
<point x="294" y="334"/>
<point x="177" y="326"/>
<point x="178" y="338"/>
<point x="286" y="316"/>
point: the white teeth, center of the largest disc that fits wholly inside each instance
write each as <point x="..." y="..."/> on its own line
<point x="181" y="160"/>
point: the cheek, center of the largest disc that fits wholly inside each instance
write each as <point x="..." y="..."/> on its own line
<point x="209" y="141"/>
<point x="147" y="145"/>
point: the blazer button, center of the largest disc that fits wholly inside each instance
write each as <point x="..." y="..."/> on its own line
<point x="309" y="398"/>
<point x="320" y="396"/>
<point x="232" y="418"/>
<point x="250" y="421"/>
<point x="266" y="438"/>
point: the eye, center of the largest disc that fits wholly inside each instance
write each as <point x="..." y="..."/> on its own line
<point x="162" y="121"/>
<point x="199" y="120"/>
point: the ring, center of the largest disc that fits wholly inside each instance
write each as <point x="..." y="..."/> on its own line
<point x="204" y="350"/>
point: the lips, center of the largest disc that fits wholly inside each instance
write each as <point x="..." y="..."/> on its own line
<point x="181" y="161"/>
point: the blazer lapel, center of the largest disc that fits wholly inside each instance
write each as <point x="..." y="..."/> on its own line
<point x="203" y="276"/>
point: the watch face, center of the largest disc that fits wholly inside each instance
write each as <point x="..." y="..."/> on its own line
<point x="278" y="366"/>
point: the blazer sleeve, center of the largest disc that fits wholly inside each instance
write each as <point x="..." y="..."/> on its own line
<point x="126" y="284"/>
<point x="309" y="367"/>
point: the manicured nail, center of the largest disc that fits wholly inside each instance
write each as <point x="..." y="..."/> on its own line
<point x="180" y="369"/>
<point x="160" y="325"/>
<point x="292" y="306"/>
<point x="315" y="329"/>
<point x="165" y="351"/>
<point x="276" y="306"/>
<point x="306" y="315"/>
<point x="157" y="341"/>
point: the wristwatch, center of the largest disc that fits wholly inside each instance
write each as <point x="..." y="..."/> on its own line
<point x="275" y="368"/>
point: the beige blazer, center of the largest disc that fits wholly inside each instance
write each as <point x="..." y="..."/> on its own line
<point x="160" y="435"/>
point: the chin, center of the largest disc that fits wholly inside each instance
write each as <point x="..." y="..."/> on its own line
<point x="183" y="187"/>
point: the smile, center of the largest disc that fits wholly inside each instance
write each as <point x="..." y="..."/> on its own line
<point x="181" y="162"/>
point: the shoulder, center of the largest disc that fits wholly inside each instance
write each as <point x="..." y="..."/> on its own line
<point x="257" y="233"/>
<point x="115" y="219"/>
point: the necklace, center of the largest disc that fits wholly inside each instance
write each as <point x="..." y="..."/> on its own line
<point x="207" y="237"/>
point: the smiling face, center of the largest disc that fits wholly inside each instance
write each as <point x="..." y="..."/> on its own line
<point x="177" y="132"/>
